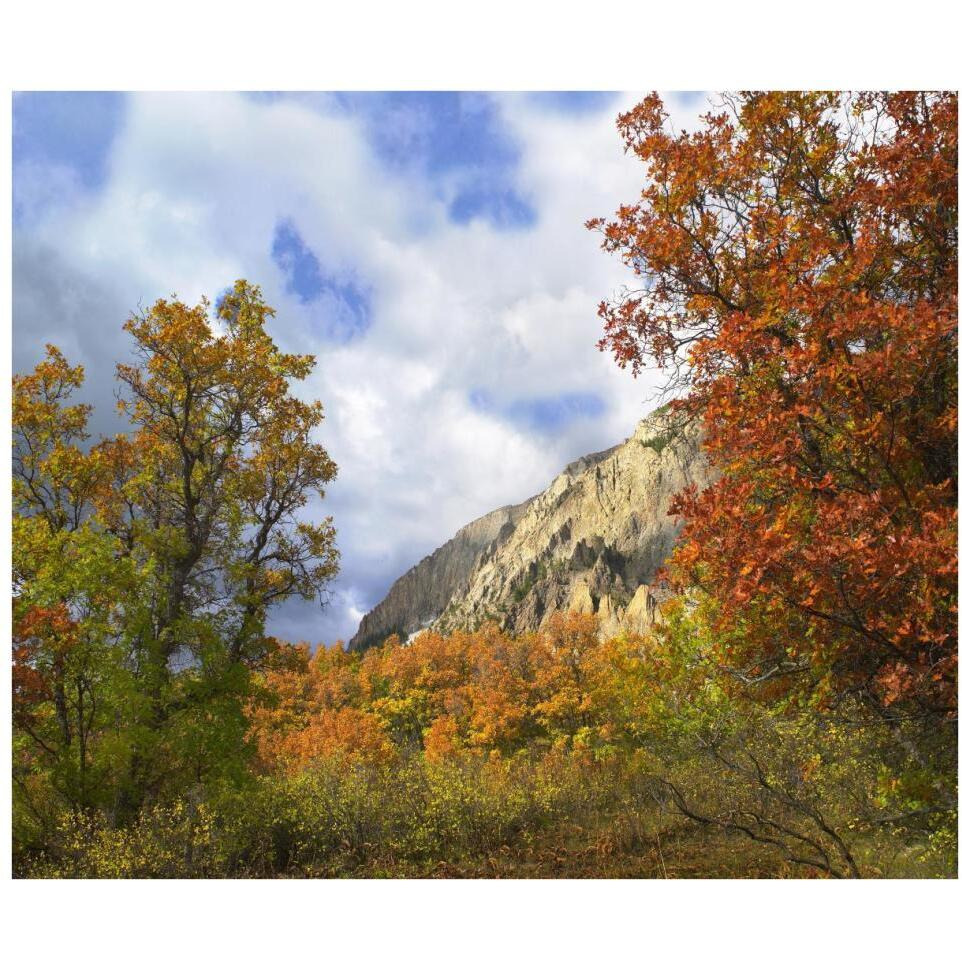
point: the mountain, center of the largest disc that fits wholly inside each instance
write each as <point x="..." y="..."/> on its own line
<point x="591" y="542"/>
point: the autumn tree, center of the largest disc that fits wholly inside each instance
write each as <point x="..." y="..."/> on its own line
<point x="68" y="574"/>
<point x="796" y="262"/>
<point x="145" y="565"/>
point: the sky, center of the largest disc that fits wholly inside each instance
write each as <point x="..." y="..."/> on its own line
<point x="428" y="248"/>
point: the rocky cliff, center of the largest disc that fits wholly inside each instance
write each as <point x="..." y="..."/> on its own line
<point x="591" y="542"/>
<point x="421" y="594"/>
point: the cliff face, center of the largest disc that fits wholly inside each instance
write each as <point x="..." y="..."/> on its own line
<point x="591" y="542"/>
<point x="421" y="594"/>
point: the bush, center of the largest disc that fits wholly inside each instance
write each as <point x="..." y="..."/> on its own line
<point x="332" y="820"/>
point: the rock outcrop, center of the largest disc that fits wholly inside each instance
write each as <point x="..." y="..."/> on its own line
<point x="591" y="542"/>
<point x="417" y="598"/>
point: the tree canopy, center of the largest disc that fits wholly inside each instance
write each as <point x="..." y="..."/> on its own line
<point x="797" y="263"/>
<point x="145" y="564"/>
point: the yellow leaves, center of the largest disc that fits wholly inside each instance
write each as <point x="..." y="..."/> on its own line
<point x="168" y="544"/>
<point x="462" y="694"/>
<point x="274" y="578"/>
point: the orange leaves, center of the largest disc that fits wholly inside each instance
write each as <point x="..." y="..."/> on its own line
<point x="482" y="692"/>
<point x="307" y="707"/>
<point x="894" y="680"/>
<point x="441" y="740"/>
<point x="799" y="267"/>
<point x="167" y="546"/>
<point x="346" y="734"/>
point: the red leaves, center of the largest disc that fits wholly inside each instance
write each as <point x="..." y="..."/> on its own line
<point x="799" y="266"/>
<point x="52" y="624"/>
<point x="40" y="634"/>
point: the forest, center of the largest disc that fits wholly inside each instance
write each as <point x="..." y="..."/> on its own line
<point x="792" y="269"/>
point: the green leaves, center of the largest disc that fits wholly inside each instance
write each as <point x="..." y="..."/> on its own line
<point x="145" y="564"/>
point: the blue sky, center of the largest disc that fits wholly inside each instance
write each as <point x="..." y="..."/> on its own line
<point x="70" y="130"/>
<point x="429" y="248"/>
<point x="444" y="136"/>
<point x="340" y="306"/>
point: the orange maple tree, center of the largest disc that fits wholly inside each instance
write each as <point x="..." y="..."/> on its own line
<point x="797" y="262"/>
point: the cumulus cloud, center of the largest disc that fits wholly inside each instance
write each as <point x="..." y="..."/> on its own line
<point x="429" y="249"/>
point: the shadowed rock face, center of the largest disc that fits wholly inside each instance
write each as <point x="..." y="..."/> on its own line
<point x="591" y="542"/>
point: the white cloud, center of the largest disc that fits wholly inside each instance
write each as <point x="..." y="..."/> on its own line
<point x="195" y="188"/>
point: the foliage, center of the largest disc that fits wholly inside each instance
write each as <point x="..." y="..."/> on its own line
<point x="144" y="564"/>
<point x="691" y="734"/>
<point x="792" y="714"/>
<point x="657" y="443"/>
<point x="797" y="262"/>
<point x="486" y="753"/>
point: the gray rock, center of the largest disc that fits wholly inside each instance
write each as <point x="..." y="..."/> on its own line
<point x="591" y="542"/>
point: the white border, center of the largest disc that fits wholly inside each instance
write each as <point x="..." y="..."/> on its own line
<point x="190" y="44"/>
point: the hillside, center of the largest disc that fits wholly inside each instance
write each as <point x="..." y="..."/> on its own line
<point x="418" y="596"/>
<point x="590" y="542"/>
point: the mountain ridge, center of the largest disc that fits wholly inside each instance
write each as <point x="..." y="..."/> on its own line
<point x="591" y="541"/>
